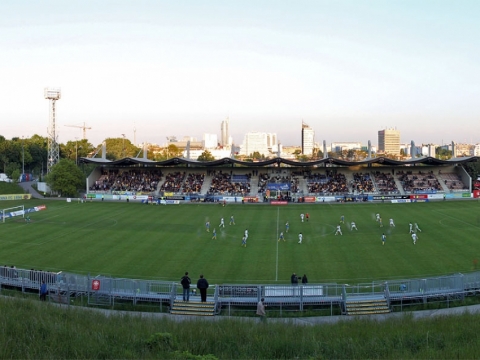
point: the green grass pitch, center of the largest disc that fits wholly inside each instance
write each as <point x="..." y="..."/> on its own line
<point x="162" y="242"/>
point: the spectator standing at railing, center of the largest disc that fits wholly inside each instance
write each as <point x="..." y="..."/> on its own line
<point x="294" y="279"/>
<point x="185" y="281"/>
<point x="43" y="291"/>
<point x="202" y="285"/>
<point x="304" y="279"/>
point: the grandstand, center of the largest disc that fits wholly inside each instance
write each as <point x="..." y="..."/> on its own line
<point x="279" y="178"/>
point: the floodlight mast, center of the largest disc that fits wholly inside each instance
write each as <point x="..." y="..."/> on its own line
<point x="52" y="94"/>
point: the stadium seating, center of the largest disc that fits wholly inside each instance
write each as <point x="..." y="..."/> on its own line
<point x="330" y="182"/>
<point x="385" y="183"/>
<point x="419" y="182"/>
<point x="134" y="180"/>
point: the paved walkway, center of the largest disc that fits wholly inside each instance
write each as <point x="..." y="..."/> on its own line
<point x="28" y="187"/>
<point x="472" y="309"/>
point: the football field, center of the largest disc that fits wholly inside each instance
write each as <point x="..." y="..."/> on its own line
<point x="162" y="242"/>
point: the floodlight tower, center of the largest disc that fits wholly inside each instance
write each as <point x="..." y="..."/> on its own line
<point x="52" y="94"/>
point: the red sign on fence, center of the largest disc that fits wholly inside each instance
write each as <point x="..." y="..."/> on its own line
<point x="96" y="285"/>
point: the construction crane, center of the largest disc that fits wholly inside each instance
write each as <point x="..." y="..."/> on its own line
<point x="84" y="127"/>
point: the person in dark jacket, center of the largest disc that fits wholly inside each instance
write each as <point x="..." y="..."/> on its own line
<point x="202" y="284"/>
<point x="43" y="291"/>
<point x="294" y="279"/>
<point x="185" y="281"/>
<point x="304" y="279"/>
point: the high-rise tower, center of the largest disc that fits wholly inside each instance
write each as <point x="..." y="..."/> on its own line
<point x="224" y="138"/>
<point x="308" y="139"/>
<point x="389" y="141"/>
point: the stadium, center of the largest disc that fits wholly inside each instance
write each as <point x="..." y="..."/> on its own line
<point x="352" y="277"/>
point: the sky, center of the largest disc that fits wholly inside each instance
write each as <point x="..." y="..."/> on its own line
<point x="151" y="69"/>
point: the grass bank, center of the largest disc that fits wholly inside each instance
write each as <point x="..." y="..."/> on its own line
<point x="32" y="330"/>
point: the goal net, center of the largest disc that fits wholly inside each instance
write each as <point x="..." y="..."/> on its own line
<point x="12" y="212"/>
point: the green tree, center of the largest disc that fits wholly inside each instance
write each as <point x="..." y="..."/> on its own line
<point x="257" y="156"/>
<point x="73" y="150"/>
<point x="65" y="178"/>
<point x="169" y="152"/>
<point x="119" y="148"/>
<point x="15" y="175"/>
<point x="473" y="169"/>
<point x="443" y="154"/>
<point x="206" y="156"/>
<point x="351" y="154"/>
<point x="11" y="169"/>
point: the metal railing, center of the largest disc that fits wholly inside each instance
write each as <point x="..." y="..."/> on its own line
<point x="396" y="292"/>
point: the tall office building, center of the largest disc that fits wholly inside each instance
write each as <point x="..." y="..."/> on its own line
<point x="263" y="143"/>
<point x="224" y="137"/>
<point x="210" y="141"/>
<point x="308" y="139"/>
<point x="389" y="141"/>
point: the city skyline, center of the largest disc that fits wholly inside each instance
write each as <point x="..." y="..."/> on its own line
<point x="163" y="68"/>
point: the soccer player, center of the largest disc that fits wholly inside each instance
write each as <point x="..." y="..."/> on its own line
<point x="232" y="220"/>
<point x="377" y="217"/>
<point x="300" y="238"/>
<point x="281" y="237"/>
<point x="222" y="223"/>
<point x="244" y="241"/>
<point x="302" y="216"/>
<point x="353" y="226"/>
<point x="246" y="234"/>
<point x="342" y="219"/>
<point x="339" y="230"/>
<point x="287" y="226"/>
<point x="392" y="224"/>
<point x="414" y="238"/>
<point x="307" y="216"/>
<point x="416" y="227"/>
<point x="384" y="238"/>
<point x="207" y="226"/>
<point x="214" y="237"/>
<point x="381" y="222"/>
<point x="411" y="228"/>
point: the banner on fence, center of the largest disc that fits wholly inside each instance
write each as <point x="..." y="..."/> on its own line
<point x="389" y="197"/>
<point x="95" y="285"/>
<point x="16" y="197"/>
<point x="325" y="199"/>
<point x="278" y="187"/>
<point x="278" y="202"/>
<point x="400" y="201"/>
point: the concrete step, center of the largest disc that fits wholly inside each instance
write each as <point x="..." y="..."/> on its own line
<point x="192" y="313"/>
<point x="367" y="307"/>
<point x="195" y="308"/>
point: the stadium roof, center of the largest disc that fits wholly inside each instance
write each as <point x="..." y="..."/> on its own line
<point x="277" y="161"/>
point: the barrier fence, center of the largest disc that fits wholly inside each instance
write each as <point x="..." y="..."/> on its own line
<point x="105" y="290"/>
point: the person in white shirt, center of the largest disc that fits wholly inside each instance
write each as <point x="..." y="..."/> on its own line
<point x="339" y="230"/>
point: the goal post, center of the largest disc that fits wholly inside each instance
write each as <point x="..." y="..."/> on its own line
<point x="12" y="212"/>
